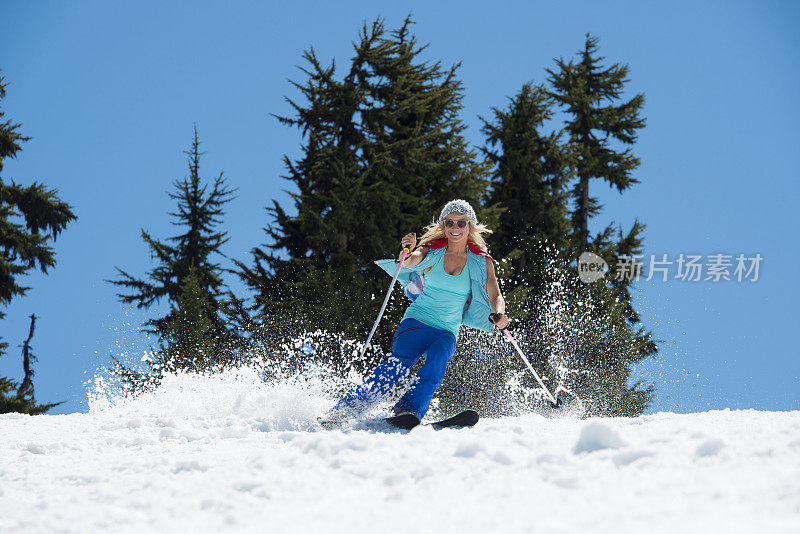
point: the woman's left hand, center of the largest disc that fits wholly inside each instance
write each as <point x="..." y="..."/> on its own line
<point x="502" y="322"/>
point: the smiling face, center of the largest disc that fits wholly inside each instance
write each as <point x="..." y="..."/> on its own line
<point x="456" y="235"/>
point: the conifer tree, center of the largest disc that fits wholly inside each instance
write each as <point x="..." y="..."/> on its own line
<point x="30" y="218"/>
<point x="588" y="94"/>
<point x="200" y="208"/>
<point x="529" y="179"/>
<point x="23" y="400"/>
<point x="383" y="152"/>
<point x="187" y="341"/>
<point x="600" y="132"/>
<point x="190" y="342"/>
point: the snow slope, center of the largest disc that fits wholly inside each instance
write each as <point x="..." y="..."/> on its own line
<point x="230" y="454"/>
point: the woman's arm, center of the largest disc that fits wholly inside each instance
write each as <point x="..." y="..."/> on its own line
<point x="496" y="300"/>
<point x="416" y="257"/>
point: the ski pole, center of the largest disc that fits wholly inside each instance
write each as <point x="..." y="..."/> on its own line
<point x="494" y="317"/>
<point x="403" y="254"/>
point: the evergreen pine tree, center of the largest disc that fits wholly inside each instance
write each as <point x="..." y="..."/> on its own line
<point x="596" y="124"/>
<point x="588" y="93"/>
<point x="384" y="151"/>
<point x="188" y="341"/>
<point x="530" y="175"/>
<point x="200" y="207"/>
<point x="12" y="401"/>
<point x="23" y="400"/>
<point x="30" y="218"/>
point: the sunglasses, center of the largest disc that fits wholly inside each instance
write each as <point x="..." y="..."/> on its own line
<point x="449" y="223"/>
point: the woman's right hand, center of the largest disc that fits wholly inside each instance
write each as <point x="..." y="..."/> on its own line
<point x="414" y="256"/>
<point x="410" y="241"/>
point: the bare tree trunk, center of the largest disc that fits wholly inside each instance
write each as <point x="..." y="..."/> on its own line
<point x="584" y="213"/>
<point x="27" y="359"/>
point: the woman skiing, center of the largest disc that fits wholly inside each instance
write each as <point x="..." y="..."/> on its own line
<point x="451" y="280"/>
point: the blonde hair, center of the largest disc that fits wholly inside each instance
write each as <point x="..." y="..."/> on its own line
<point x="435" y="230"/>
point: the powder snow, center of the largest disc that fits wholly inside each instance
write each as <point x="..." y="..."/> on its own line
<point x="230" y="453"/>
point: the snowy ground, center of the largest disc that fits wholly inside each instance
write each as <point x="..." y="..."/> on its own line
<point x="233" y="455"/>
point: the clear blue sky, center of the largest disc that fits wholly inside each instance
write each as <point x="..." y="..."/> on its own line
<point x="109" y="92"/>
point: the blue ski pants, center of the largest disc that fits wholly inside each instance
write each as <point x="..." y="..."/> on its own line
<point x="412" y="340"/>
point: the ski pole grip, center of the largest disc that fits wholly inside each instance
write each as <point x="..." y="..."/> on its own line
<point x="403" y="254"/>
<point x="494" y="317"/>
